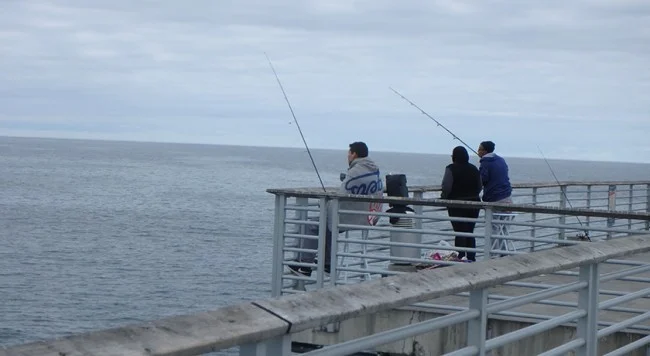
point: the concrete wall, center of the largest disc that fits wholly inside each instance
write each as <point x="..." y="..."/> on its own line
<point x="452" y="338"/>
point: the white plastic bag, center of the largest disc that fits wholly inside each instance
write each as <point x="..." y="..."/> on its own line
<point x="440" y="255"/>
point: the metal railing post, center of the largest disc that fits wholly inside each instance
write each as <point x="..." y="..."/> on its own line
<point x="334" y="205"/>
<point x="278" y="245"/>
<point x="320" y="253"/>
<point x="630" y="202"/>
<point x="301" y="215"/>
<point x="562" y="218"/>
<point x="647" y="205"/>
<point x="588" y="202"/>
<point x="587" y="326"/>
<point x="487" y="247"/>
<point x="477" y="328"/>
<point x="533" y="230"/>
<point x="279" y="346"/>
<point x="419" y="209"/>
<point x="611" y="206"/>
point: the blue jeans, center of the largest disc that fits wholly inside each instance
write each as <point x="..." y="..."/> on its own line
<point x="310" y="257"/>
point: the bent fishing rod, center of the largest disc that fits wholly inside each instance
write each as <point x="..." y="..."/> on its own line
<point x="436" y="121"/>
<point x="586" y="233"/>
<point x="296" y="121"/>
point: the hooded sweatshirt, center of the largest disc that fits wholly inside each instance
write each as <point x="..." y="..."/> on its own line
<point x="494" y="175"/>
<point x="363" y="178"/>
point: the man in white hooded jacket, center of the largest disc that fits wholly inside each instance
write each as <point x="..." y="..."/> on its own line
<point x="363" y="178"/>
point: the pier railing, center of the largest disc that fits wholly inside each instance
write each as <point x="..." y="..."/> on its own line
<point x="543" y="216"/>
<point x="265" y="327"/>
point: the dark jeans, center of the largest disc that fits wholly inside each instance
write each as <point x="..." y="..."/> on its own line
<point x="462" y="226"/>
<point x="309" y="257"/>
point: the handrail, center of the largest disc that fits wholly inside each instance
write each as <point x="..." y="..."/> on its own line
<point x="529" y="208"/>
<point x="434" y="188"/>
<point x="256" y="321"/>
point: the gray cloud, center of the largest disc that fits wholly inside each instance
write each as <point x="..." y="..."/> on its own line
<point x="555" y="73"/>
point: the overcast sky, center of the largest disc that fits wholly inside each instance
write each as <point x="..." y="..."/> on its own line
<point x="570" y="76"/>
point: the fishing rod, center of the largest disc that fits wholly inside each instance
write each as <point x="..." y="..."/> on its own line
<point x="586" y="233"/>
<point x="436" y="121"/>
<point x="296" y="121"/>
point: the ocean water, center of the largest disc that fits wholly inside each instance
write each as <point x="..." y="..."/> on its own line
<point x="97" y="234"/>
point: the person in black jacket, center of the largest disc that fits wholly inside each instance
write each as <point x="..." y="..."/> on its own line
<point x="462" y="181"/>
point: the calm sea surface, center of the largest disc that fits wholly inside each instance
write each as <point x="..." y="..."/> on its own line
<point x="98" y="234"/>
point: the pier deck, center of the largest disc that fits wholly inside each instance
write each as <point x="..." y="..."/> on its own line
<point x="635" y="306"/>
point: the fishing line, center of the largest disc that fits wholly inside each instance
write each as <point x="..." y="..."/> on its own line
<point x="296" y="121"/>
<point x="586" y="233"/>
<point x="563" y="192"/>
<point x="436" y="121"/>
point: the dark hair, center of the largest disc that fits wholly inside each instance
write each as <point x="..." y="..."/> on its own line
<point x="488" y="145"/>
<point x="359" y="148"/>
<point x="459" y="155"/>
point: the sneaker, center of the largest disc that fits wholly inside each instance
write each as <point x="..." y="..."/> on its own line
<point x="301" y="271"/>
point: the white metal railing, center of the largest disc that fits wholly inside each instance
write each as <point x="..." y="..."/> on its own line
<point x="366" y="252"/>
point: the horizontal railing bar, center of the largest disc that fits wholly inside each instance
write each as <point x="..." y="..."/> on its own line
<point x="516" y="186"/>
<point x="370" y="271"/>
<point x="534" y="297"/>
<point x="301" y="236"/>
<point x="393" y="258"/>
<point x="567" y="304"/>
<point x="295" y="207"/>
<point x="405" y="244"/>
<point x="537" y="239"/>
<point x="533" y="329"/>
<point x="520" y="315"/>
<point x="624" y="298"/>
<point x="623" y="325"/>
<point x="465" y="351"/>
<point x="624" y="273"/>
<point x="301" y="222"/>
<point x="544" y="286"/>
<point x="502" y="222"/>
<point x="388" y="336"/>
<point x="626" y="262"/>
<point x="296" y="249"/>
<point x="437" y="306"/>
<point x="481" y="205"/>
<point x="630" y="347"/>
<point x="564" y="348"/>
<point x="639" y="328"/>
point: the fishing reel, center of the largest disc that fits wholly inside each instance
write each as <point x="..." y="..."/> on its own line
<point x="583" y="236"/>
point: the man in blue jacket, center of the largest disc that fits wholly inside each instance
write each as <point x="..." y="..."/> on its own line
<point x="494" y="175"/>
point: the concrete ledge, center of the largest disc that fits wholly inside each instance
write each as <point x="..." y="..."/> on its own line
<point x="328" y="305"/>
<point x="180" y="335"/>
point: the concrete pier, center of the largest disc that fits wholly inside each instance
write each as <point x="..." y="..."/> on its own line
<point x="455" y="337"/>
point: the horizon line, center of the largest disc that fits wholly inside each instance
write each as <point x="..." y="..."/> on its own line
<point x="292" y="147"/>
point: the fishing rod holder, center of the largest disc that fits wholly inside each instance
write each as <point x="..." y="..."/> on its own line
<point x="396" y="187"/>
